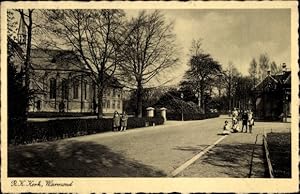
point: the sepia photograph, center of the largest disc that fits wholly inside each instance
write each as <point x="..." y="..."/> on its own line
<point x="164" y="96"/>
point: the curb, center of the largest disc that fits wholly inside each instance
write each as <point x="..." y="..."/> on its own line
<point x="267" y="154"/>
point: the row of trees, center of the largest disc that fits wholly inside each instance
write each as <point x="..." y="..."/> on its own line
<point x="258" y="70"/>
<point x="210" y="86"/>
<point x="110" y="45"/>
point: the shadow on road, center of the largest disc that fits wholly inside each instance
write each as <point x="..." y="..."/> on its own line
<point x="193" y="149"/>
<point x="235" y="159"/>
<point x="73" y="159"/>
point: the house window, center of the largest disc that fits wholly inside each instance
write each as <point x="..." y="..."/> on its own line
<point x="75" y="90"/>
<point x="108" y="104"/>
<point x="114" y="104"/>
<point x="119" y="104"/>
<point x="64" y="89"/>
<point x="103" y="103"/>
<point x="114" y="92"/>
<point x="52" y="88"/>
<point x="84" y="89"/>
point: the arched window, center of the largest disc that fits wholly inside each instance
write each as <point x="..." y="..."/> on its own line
<point x="114" y="104"/>
<point x="119" y="104"/>
<point x="75" y="89"/>
<point x="108" y="104"/>
<point x="64" y="89"/>
<point x="52" y="88"/>
<point x="85" y="90"/>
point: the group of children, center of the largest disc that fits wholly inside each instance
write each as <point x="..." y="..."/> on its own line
<point x="120" y="122"/>
<point x="247" y="121"/>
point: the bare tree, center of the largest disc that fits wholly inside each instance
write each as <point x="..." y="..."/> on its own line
<point x="275" y="69"/>
<point x="253" y="71"/>
<point x="149" y="49"/>
<point x="26" y="18"/>
<point x="230" y="76"/>
<point x="264" y="65"/>
<point x="95" y="37"/>
<point x="196" y="47"/>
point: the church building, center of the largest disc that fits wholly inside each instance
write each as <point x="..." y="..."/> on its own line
<point x="60" y="82"/>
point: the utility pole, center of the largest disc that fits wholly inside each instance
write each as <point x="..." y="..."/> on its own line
<point x="181" y="95"/>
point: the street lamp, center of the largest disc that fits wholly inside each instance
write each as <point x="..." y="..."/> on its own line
<point x="181" y="96"/>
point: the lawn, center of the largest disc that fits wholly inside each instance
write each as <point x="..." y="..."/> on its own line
<point x="280" y="153"/>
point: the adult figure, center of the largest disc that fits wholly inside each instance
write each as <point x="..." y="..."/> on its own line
<point x="250" y="120"/>
<point x="234" y="114"/>
<point x="116" y="121"/>
<point x="124" y="119"/>
<point x="244" y="121"/>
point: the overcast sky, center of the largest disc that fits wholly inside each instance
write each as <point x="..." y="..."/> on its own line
<point x="232" y="35"/>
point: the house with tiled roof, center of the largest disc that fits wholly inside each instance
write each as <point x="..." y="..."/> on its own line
<point x="273" y="97"/>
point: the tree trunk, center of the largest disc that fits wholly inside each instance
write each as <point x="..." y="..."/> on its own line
<point x="139" y="96"/>
<point x="202" y="99"/>
<point x="27" y="64"/>
<point x="81" y="93"/>
<point x="100" y="102"/>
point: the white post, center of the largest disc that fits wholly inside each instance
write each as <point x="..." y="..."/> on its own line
<point x="150" y="112"/>
<point x="163" y="113"/>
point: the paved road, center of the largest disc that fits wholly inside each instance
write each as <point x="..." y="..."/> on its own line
<point x="147" y="152"/>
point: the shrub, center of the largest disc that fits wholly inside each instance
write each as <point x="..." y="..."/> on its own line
<point x="58" y="114"/>
<point x="192" y="116"/>
<point x="63" y="128"/>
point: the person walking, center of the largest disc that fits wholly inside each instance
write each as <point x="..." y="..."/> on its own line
<point x="244" y="121"/>
<point x="124" y="119"/>
<point x="116" y="121"/>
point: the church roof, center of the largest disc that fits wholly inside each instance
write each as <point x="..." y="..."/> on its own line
<point x="47" y="59"/>
<point x="54" y="59"/>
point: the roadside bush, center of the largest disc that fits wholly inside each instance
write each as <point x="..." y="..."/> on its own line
<point x="58" y="114"/>
<point x="64" y="128"/>
<point x="192" y="116"/>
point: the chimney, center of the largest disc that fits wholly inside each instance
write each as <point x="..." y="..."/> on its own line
<point x="284" y="68"/>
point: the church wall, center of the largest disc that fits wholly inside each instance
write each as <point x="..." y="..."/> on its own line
<point x="41" y="83"/>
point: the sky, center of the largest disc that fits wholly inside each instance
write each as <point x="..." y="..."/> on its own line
<point x="231" y="35"/>
<point x="235" y="35"/>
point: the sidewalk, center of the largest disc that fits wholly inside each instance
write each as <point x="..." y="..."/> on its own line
<point x="239" y="155"/>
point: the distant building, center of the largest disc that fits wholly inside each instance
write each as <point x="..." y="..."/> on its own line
<point x="273" y="97"/>
<point x="61" y="82"/>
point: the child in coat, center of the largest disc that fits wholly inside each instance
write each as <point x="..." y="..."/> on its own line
<point x="226" y="129"/>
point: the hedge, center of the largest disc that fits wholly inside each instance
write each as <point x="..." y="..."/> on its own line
<point x="193" y="116"/>
<point x="58" y="114"/>
<point x="64" y="128"/>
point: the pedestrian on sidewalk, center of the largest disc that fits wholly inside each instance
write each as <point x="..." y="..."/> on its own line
<point x="116" y="121"/>
<point x="251" y="123"/>
<point x="124" y="119"/>
<point x="244" y="121"/>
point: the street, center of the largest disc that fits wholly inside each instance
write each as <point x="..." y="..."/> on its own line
<point x="148" y="152"/>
